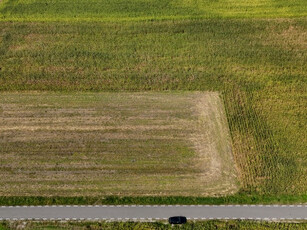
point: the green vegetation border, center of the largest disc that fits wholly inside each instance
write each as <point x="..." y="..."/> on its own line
<point x="171" y="200"/>
<point x="208" y="224"/>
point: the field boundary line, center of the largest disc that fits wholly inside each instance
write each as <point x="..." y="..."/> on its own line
<point x="153" y="206"/>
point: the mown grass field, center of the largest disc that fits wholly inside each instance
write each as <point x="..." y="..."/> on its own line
<point x="201" y="225"/>
<point x="253" y="52"/>
<point x="99" y="144"/>
<point x="123" y="10"/>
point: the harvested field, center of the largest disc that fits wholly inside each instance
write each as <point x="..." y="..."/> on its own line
<point x="90" y="144"/>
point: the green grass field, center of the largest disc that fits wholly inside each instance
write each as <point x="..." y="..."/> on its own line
<point x="123" y="10"/>
<point x="253" y="52"/>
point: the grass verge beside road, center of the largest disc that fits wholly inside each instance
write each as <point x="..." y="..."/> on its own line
<point x="201" y="225"/>
<point x="116" y="200"/>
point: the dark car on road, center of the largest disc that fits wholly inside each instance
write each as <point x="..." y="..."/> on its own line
<point x="177" y="220"/>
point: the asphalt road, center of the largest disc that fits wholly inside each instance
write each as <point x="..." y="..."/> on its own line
<point x="154" y="212"/>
